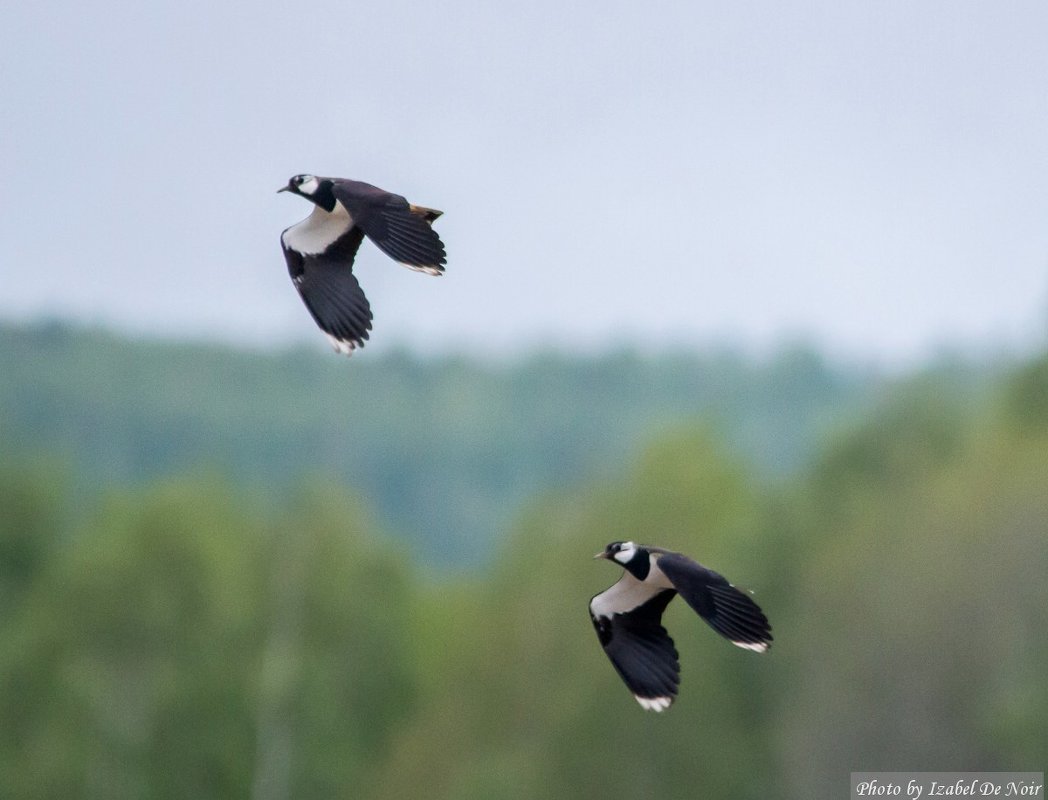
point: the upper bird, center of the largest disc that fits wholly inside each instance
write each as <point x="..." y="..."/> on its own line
<point x="628" y="617"/>
<point x="320" y="249"/>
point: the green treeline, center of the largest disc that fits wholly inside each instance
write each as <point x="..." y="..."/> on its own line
<point x="445" y="451"/>
<point x="178" y="637"/>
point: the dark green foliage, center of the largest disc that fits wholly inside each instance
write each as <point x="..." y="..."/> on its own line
<point x="446" y="451"/>
<point x="31" y="517"/>
<point x="1026" y="398"/>
<point x="191" y="636"/>
<point x="920" y="599"/>
<point x="180" y="646"/>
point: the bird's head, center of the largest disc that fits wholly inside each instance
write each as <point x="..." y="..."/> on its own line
<point x="314" y="189"/>
<point x="622" y="552"/>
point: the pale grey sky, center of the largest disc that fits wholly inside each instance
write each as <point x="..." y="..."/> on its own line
<point x="873" y="175"/>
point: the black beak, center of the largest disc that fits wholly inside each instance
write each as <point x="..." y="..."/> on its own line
<point x="281" y="189"/>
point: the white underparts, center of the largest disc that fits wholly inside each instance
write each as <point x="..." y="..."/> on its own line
<point x="621" y="597"/>
<point x="627" y="593"/>
<point x="316" y="232"/>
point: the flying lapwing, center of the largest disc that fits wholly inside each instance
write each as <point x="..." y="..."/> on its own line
<point x="628" y="617"/>
<point x="321" y="248"/>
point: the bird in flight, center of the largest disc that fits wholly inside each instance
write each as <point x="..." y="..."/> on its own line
<point x="628" y="617"/>
<point x="320" y="249"/>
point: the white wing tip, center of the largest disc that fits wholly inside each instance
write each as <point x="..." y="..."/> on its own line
<point x="342" y="345"/>
<point x="654" y="703"/>
<point x="756" y="647"/>
<point x="425" y="269"/>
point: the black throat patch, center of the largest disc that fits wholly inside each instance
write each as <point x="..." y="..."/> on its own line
<point x="640" y="565"/>
<point x="324" y="196"/>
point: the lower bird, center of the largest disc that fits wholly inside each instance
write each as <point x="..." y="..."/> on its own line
<point x="321" y="248"/>
<point x="628" y="617"/>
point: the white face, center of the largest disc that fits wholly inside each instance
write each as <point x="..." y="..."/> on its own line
<point x="626" y="552"/>
<point x="306" y="184"/>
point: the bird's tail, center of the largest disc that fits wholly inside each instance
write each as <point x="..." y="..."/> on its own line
<point x="428" y="214"/>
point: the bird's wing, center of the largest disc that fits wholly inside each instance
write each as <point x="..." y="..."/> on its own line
<point x="636" y="643"/>
<point x="402" y="231"/>
<point x="729" y="611"/>
<point x="331" y="292"/>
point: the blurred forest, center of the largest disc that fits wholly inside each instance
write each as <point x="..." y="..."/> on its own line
<point x="228" y="574"/>
<point x="446" y="452"/>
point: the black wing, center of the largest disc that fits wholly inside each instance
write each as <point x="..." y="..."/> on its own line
<point x="729" y="611"/>
<point x="641" y="651"/>
<point x="403" y="234"/>
<point x="331" y="292"/>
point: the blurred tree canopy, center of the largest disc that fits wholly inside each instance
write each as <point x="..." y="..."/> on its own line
<point x="192" y="636"/>
<point x="180" y="646"/>
<point x="445" y="451"/>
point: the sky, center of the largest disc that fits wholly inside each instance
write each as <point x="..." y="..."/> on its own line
<point x="871" y="176"/>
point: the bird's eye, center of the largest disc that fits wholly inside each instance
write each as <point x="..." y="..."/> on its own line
<point x="297" y="180"/>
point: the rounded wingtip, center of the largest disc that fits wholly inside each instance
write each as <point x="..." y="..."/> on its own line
<point x="655" y="704"/>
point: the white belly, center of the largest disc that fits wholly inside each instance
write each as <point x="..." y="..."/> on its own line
<point x="628" y="593"/>
<point x="317" y="231"/>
